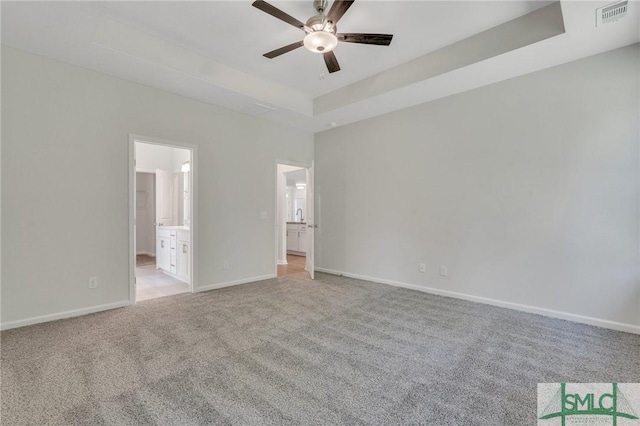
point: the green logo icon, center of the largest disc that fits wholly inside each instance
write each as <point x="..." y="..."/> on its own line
<point x="612" y="404"/>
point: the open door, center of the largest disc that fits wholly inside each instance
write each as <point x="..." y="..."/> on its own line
<point x="311" y="222"/>
<point x="164" y="216"/>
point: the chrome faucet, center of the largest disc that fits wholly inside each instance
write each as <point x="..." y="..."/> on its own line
<point x="299" y="210"/>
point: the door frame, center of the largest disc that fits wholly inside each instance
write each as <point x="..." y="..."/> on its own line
<point x="193" y="225"/>
<point x="306" y="166"/>
<point x="310" y="265"/>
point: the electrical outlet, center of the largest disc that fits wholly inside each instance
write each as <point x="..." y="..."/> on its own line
<point x="225" y="264"/>
<point x="93" y="282"/>
<point x="423" y="267"/>
<point x="443" y="271"/>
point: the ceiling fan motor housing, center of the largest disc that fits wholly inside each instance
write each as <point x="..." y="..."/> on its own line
<point x="322" y="37"/>
<point x="321" y="23"/>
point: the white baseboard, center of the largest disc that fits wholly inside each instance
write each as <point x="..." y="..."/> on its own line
<point x="282" y="262"/>
<point x="619" y="326"/>
<point x="236" y="282"/>
<point x="146" y="253"/>
<point x="62" y="315"/>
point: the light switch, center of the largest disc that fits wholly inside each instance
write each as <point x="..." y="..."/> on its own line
<point x="443" y="271"/>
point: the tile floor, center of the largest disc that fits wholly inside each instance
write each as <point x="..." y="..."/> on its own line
<point x="152" y="283"/>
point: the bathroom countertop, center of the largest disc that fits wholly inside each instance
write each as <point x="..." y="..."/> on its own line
<point x="175" y="228"/>
<point x="296" y="223"/>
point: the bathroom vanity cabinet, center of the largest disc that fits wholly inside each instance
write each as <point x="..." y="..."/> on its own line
<point x="296" y="238"/>
<point x="173" y="250"/>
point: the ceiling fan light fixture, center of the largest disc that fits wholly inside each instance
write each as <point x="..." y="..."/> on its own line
<point x="320" y="42"/>
<point x="321" y="32"/>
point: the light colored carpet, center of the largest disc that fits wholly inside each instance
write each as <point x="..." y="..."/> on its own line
<point x="292" y="351"/>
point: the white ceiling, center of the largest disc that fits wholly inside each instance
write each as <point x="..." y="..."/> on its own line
<point x="212" y="51"/>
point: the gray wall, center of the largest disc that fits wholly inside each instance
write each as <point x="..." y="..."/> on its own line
<point x="65" y="139"/>
<point x="528" y="190"/>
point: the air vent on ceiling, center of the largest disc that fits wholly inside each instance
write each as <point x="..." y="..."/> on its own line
<point x="611" y="13"/>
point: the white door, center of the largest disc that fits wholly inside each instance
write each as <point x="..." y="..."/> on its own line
<point x="164" y="213"/>
<point x="311" y="221"/>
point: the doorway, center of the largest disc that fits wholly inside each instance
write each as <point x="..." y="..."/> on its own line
<point x="162" y="182"/>
<point x="294" y="229"/>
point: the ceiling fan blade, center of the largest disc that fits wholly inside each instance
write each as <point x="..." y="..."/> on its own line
<point x="277" y="13"/>
<point x="331" y="61"/>
<point x="379" y="39"/>
<point x="338" y="8"/>
<point x="283" y="50"/>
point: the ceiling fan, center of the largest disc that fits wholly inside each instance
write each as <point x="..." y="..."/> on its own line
<point x="321" y="31"/>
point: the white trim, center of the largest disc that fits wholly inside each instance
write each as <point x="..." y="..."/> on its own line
<point x="193" y="222"/>
<point x="277" y="225"/>
<point x="62" y="315"/>
<point x="132" y="220"/>
<point x="293" y="164"/>
<point x="236" y="282"/>
<point x="613" y="325"/>
<point x="150" y="171"/>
